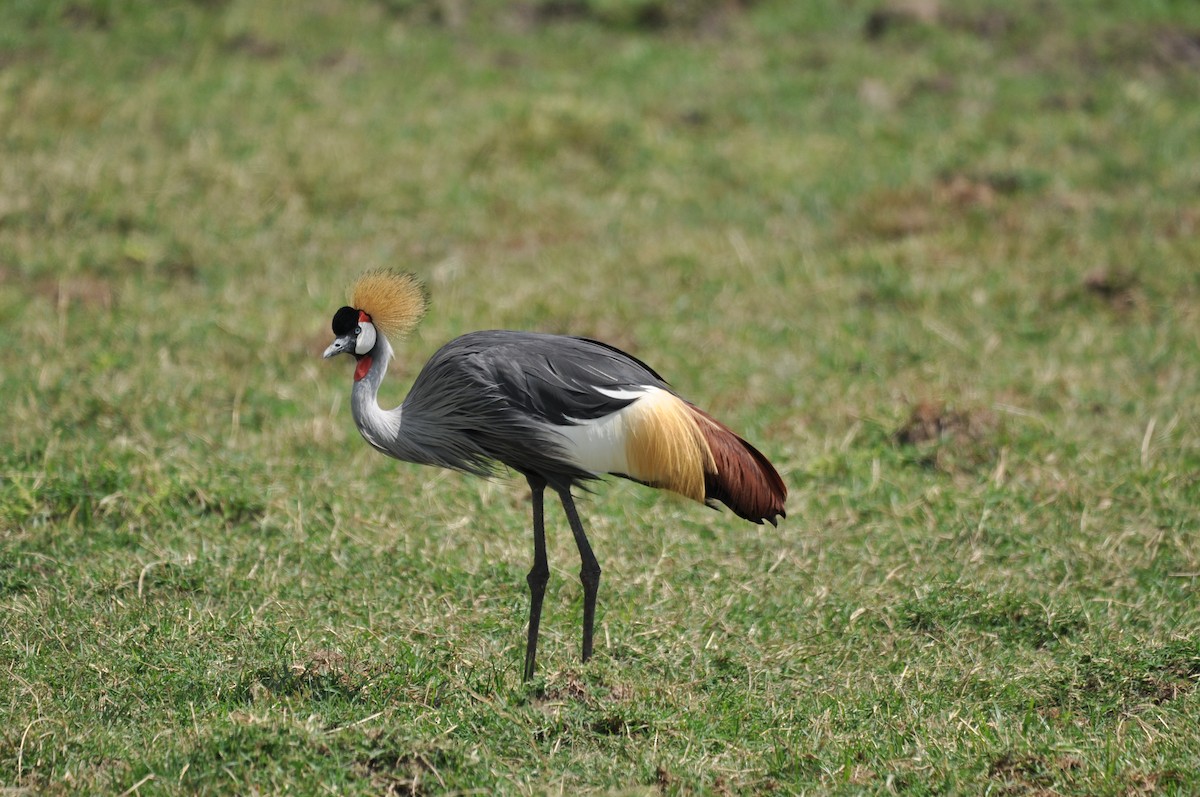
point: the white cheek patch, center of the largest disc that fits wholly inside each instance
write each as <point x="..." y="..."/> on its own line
<point x="365" y="340"/>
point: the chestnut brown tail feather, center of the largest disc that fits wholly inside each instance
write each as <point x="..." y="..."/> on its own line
<point x="744" y="480"/>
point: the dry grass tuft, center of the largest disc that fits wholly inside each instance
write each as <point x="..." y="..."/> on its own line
<point x="1118" y="288"/>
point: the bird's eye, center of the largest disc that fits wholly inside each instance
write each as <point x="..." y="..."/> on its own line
<point x="358" y="330"/>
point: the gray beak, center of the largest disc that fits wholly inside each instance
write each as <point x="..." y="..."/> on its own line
<point x="339" y="346"/>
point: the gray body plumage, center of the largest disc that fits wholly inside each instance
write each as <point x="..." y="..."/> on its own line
<point x="497" y="396"/>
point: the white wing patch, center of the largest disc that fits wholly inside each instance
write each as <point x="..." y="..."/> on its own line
<point x="654" y="439"/>
<point x="598" y="445"/>
<point x="623" y="395"/>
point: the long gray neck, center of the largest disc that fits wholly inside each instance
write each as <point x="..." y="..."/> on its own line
<point x="379" y="427"/>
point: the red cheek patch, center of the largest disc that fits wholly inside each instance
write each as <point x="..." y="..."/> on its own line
<point x="364" y="365"/>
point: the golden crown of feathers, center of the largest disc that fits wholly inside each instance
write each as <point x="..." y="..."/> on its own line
<point x="395" y="300"/>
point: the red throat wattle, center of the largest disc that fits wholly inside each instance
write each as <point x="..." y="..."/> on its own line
<point x="364" y="365"/>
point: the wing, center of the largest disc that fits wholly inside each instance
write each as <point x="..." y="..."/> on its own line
<point x="500" y="396"/>
<point x="561" y="380"/>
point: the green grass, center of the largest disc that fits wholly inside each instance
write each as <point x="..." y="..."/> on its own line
<point x="942" y="269"/>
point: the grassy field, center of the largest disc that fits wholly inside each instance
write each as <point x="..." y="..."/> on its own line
<point x="940" y="262"/>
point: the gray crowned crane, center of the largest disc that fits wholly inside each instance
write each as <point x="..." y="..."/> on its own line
<point x="559" y="410"/>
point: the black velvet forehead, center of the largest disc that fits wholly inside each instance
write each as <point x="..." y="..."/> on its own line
<point x="344" y="321"/>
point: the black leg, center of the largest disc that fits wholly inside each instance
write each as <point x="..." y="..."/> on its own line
<point x="538" y="576"/>
<point x="589" y="573"/>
